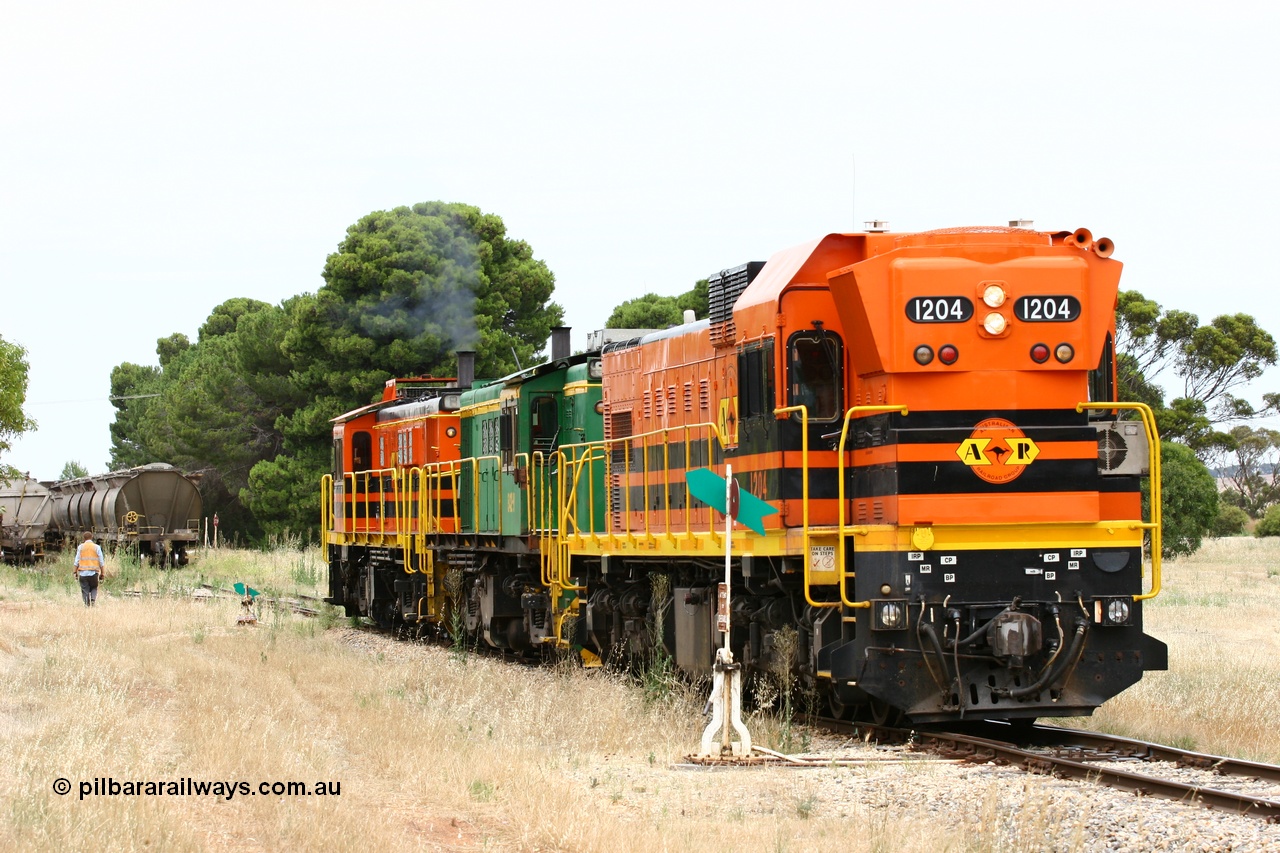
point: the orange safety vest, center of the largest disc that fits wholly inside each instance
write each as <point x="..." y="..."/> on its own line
<point x="88" y="559"/>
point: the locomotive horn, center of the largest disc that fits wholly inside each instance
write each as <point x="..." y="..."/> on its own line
<point x="1104" y="247"/>
<point x="1082" y="238"/>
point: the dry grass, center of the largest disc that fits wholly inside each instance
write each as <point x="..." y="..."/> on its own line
<point x="1219" y="612"/>
<point x="437" y="751"/>
<point x="433" y="751"/>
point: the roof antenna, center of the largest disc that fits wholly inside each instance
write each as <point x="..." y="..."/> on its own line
<point x="517" y="358"/>
<point x="853" y="192"/>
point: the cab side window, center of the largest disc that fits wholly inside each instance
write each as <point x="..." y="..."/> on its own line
<point x="507" y="433"/>
<point x="1102" y="385"/>
<point x="815" y="364"/>
<point x="361" y="458"/>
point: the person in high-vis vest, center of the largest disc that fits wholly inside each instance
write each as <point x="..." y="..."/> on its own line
<point x="89" y="566"/>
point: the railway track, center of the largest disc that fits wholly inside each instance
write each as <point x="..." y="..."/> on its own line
<point x="1094" y="756"/>
<point x="303" y="605"/>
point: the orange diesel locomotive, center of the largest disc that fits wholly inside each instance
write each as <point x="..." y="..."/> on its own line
<point x="395" y="467"/>
<point x="959" y="528"/>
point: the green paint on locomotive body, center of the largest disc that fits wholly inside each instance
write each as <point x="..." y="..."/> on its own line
<point x="581" y="423"/>
<point x="512" y="431"/>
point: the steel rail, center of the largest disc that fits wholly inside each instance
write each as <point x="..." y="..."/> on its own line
<point x="976" y="748"/>
<point x="1048" y="735"/>
<point x="1138" y="783"/>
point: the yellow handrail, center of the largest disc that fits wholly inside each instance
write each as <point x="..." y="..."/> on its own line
<point x="326" y="507"/>
<point x="1157" y="510"/>
<point x="438" y="473"/>
<point x="404" y="481"/>
<point x="369" y="476"/>
<point x="553" y="542"/>
<point x="604" y="447"/>
<point x="840" y="541"/>
<point x="475" y="488"/>
<point x="562" y="576"/>
<point x="557" y="573"/>
<point x="804" y="500"/>
<point x="537" y="470"/>
<point x="578" y="465"/>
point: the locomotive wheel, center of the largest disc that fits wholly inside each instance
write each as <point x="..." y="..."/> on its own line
<point x="882" y="713"/>
<point x="839" y="709"/>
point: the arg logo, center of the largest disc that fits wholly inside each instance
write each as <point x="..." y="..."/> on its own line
<point x="997" y="451"/>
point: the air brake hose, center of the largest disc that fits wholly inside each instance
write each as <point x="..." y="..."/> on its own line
<point x="1077" y="646"/>
<point x="977" y="634"/>
<point x="925" y="628"/>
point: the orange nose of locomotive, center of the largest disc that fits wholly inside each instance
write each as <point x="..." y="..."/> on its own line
<point x="975" y="301"/>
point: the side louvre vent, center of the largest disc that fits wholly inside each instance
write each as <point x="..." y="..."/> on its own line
<point x="723" y="290"/>
<point x="618" y="426"/>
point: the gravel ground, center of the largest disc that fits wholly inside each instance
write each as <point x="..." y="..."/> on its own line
<point x="1061" y="813"/>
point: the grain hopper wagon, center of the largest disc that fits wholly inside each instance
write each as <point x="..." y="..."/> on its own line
<point x="155" y="508"/>
<point x="26" y="511"/>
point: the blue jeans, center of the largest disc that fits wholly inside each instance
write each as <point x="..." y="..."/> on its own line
<point x="89" y="589"/>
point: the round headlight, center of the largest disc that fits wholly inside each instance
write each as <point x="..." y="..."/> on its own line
<point x="450" y="431"/>
<point x="995" y="323"/>
<point x="1118" y="611"/>
<point x="599" y="407"/>
<point x="1064" y="353"/>
<point x="891" y="614"/>
<point x="924" y="354"/>
<point x="993" y="295"/>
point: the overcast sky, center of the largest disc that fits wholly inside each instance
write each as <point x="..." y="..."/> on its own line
<point x="158" y="158"/>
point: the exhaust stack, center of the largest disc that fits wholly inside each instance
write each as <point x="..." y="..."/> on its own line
<point x="466" y="368"/>
<point x="560" y="347"/>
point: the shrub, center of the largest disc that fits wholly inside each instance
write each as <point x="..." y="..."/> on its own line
<point x="1270" y="524"/>
<point x="1231" y="521"/>
<point x="1190" y="499"/>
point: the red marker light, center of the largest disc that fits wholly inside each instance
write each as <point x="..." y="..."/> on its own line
<point x="924" y="354"/>
<point x="947" y="354"/>
<point x="1040" y="353"/>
